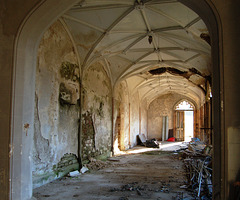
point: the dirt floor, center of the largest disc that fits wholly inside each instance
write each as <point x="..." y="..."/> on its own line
<point x="140" y="173"/>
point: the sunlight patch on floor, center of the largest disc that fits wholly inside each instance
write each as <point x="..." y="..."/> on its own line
<point x="164" y="146"/>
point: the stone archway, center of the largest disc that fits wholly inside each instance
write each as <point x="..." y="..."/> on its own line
<point x="183" y="112"/>
<point x="207" y="12"/>
<point x="24" y="84"/>
<point x="26" y="46"/>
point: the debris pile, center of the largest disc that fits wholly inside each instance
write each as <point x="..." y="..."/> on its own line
<point x="142" y="190"/>
<point x="95" y="164"/>
<point x="131" y="187"/>
<point x="198" y="162"/>
<point x="153" y="143"/>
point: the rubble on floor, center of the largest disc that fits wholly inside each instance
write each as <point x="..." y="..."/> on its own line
<point x="84" y="169"/>
<point x="153" y="143"/>
<point x="146" y="190"/>
<point x="153" y="175"/>
<point x="74" y="173"/>
<point x="198" y="163"/>
<point x="95" y="164"/>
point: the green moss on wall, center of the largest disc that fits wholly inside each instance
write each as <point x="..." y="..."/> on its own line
<point x="69" y="71"/>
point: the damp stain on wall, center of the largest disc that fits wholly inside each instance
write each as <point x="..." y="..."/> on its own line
<point x="96" y="112"/>
<point x="56" y="103"/>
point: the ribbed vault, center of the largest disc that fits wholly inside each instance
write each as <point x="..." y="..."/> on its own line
<point x="134" y="37"/>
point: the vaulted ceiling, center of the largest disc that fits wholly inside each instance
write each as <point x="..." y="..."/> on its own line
<point x="156" y="46"/>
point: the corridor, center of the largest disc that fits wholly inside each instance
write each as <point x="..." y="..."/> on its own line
<point x="139" y="173"/>
<point x="82" y="80"/>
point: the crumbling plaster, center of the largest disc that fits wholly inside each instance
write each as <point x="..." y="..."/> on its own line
<point x="130" y="114"/>
<point x="97" y="105"/>
<point x="56" y="121"/>
<point x="12" y="117"/>
<point x="121" y="104"/>
<point x="143" y="117"/>
<point x="134" y="118"/>
<point x="162" y="106"/>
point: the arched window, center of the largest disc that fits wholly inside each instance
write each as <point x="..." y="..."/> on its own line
<point x="184" y="105"/>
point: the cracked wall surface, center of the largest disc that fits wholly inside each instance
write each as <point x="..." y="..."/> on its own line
<point x="56" y="100"/>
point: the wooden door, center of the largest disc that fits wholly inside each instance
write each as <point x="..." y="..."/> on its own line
<point x="179" y="133"/>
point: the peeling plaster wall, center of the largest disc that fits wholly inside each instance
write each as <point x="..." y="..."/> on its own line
<point x="121" y="105"/>
<point x="144" y="117"/>
<point x="130" y="116"/>
<point x="11" y="19"/>
<point x="97" y="112"/>
<point x="56" y="100"/>
<point x="134" y="121"/>
<point x="116" y="127"/>
<point x="162" y="106"/>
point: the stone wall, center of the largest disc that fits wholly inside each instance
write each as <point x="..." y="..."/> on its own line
<point x="96" y="112"/>
<point x="162" y="106"/>
<point x="56" y="101"/>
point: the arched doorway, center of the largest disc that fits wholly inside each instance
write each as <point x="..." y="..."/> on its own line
<point x="22" y="122"/>
<point x="184" y="117"/>
<point x="23" y="91"/>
